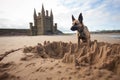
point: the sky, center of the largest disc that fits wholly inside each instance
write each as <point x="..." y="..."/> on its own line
<point x="97" y="14"/>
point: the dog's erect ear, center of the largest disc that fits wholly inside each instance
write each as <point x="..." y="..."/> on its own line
<point x="73" y="18"/>
<point x="80" y="18"/>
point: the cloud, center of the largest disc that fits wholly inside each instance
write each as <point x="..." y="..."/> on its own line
<point x="104" y="16"/>
<point x="98" y="14"/>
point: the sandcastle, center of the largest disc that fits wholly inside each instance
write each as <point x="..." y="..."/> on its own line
<point x="100" y="55"/>
<point x="99" y="61"/>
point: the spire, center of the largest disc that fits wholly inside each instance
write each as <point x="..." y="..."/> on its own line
<point x="43" y="11"/>
<point x="51" y="14"/>
<point x="35" y="15"/>
<point x="42" y="7"/>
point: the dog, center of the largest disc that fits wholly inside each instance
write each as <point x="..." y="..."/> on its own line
<point x="82" y="30"/>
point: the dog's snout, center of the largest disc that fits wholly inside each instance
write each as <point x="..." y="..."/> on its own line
<point x="74" y="28"/>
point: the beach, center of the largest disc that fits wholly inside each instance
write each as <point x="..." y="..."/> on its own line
<point x="36" y="58"/>
<point x="14" y="42"/>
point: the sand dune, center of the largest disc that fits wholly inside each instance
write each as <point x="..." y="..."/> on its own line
<point x="58" y="60"/>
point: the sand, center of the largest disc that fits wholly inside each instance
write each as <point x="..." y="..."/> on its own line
<point x="58" y="58"/>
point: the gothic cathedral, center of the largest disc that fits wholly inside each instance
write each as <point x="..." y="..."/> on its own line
<point x="43" y="23"/>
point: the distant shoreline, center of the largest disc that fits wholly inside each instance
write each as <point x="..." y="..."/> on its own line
<point x="106" y="31"/>
<point x="25" y="32"/>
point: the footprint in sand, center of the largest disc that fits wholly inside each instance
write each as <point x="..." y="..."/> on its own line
<point x="46" y="68"/>
<point x="59" y="66"/>
<point x="20" y="64"/>
<point x="49" y="78"/>
<point x="68" y="69"/>
<point x="56" y="64"/>
<point x="18" y="71"/>
<point x="51" y="68"/>
<point x="31" y="64"/>
<point x="70" y="78"/>
<point x="8" y="76"/>
<point x="7" y="66"/>
<point x="40" y="69"/>
<point x="79" y="76"/>
<point x="63" y="78"/>
<point x="59" y="72"/>
<point x="52" y="61"/>
<point x="73" y="73"/>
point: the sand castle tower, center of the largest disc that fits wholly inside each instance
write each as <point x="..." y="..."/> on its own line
<point x="43" y="23"/>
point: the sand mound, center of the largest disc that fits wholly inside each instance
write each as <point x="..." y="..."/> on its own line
<point x="7" y="76"/>
<point x="100" y="55"/>
<point x="4" y="68"/>
<point x="53" y="50"/>
<point x="7" y="53"/>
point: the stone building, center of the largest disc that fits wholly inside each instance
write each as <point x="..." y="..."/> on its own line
<point x="43" y="23"/>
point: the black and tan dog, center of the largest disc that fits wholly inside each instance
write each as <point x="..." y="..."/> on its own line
<point x="82" y="30"/>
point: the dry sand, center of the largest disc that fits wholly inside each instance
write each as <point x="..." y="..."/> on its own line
<point x="30" y="58"/>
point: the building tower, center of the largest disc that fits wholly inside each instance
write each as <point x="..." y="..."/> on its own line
<point x="43" y="23"/>
<point x="35" y="22"/>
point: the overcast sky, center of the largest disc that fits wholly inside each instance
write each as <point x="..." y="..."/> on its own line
<point x="97" y="14"/>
